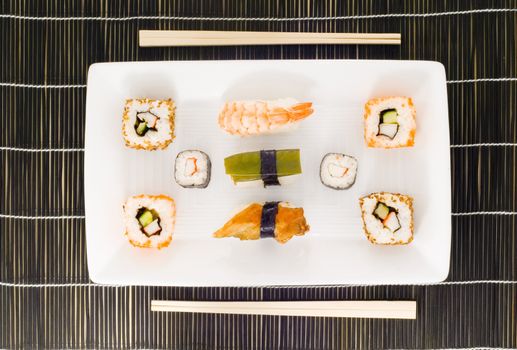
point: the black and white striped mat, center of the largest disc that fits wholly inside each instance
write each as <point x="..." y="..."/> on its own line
<point x="46" y="299"/>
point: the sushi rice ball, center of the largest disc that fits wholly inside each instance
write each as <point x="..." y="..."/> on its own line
<point x="389" y="122"/>
<point x="149" y="220"/>
<point x="387" y="218"/>
<point x="338" y="171"/>
<point x="192" y="169"/>
<point x="148" y="124"/>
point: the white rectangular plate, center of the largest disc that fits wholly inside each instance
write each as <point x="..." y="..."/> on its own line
<point x="335" y="251"/>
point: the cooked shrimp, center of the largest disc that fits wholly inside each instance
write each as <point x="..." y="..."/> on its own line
<point x="246" y="118"/>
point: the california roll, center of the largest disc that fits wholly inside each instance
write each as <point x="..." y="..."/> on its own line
<point x="149" y="220"/>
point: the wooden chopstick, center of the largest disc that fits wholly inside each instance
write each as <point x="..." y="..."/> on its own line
<point x="360" y="309"/>
<point x="149" y="38"/>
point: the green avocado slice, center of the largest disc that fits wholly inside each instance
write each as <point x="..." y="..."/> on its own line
<point x="141" y="128"/>
<point x="381" y="211"/>
<point x="389" y="116"/>
<point x="145" y="218"/>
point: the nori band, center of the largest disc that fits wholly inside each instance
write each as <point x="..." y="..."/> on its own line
<point x="268" y="219"/>
<point x="268" y="170"/>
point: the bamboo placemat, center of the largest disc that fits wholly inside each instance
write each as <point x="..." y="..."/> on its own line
<point x="46" y="299"/>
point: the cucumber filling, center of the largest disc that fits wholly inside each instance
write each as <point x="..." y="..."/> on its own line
<point x="388" y="216"/>
<point x="145" y="121"/>
<point x="381" y="211"/>
<point x="389" y="116"/>
<point x="149" y="222"/>
<point x="141" y="128"/>
<point x="388" y="123"/>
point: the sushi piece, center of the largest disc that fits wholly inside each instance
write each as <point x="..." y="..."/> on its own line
<point x="338" y="171"/>
<point x="192" y="169"/>
<point x="387" y="218"/>
<point x="245" y="118"/>
<point x="269" y="220"/>
<point x="389" y="122"/>
<point x="149" y="220"/>
<point x="148" y="124"/>
<point x="270" y="168"/>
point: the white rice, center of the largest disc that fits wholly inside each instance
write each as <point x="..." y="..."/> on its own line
<point x="184" y="173"/>
<point x="406" y="121"/>
<point x="331" y="171"/>
<point x="375" y="230"/>
<point x="166" y="209"/>
<point x="153" y="139"/>
<point x="282" y="180"/>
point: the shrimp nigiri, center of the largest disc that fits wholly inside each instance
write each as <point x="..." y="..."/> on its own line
<point x="247" y="118"/>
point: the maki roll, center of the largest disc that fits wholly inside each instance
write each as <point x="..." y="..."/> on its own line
<point x="338" y="171"/>
<point x="192" y="169"/>
<point x="245" y="118"/>
<point x="389" y="122"/>
<point x="149" y="220"/>
<point x="148" y="124"/>
<point x="269" y="168"/>
<point x="387" y="218"/>
<point x="269" y="220"/>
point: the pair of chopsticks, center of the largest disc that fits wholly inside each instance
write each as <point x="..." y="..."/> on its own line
<point x="149" y="38"/>
<point x="360" y="309"/>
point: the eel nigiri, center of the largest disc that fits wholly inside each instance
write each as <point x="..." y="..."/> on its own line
<point x="269" y="220"/>
<point x="264" y="167"/>
<point x="247" y="118"/>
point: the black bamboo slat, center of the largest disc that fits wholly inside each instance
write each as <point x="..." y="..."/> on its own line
<point x="46" y="299"/>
